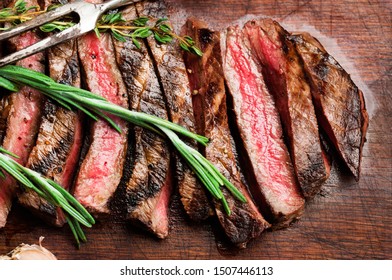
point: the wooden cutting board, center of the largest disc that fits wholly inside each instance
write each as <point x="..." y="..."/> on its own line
<point x="348" y="220"/>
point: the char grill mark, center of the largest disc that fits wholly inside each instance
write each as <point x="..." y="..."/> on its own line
<point x="327" y="156"/>
<point x="285" y="76"/>
<point x="173" y="78"/>
<point x="23" y="118"/>
<point x="5" y="107"/>
<point x="102" y="168"/>
<point x="145" y="194"/>
<point x="266" y="159"/>
<point x="59" y="141"/>
<point x="4" y="101"/>
<point x="339" y="103"/>
<point x="206" y="78"/>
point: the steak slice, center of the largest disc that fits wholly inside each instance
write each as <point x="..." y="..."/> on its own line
<point x="23" y="118"/>
<point x="267" y="163"/>
<point x="59" y="141"/>
<point x="340" y="105"/>
<point x="207" y="79"/>
<point x="173" y="78"/>
<point x="147" y="190"/>
<point x="102" y="168"/>
<point x="285" y="76"/>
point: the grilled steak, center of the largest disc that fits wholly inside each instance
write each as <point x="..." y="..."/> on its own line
<point x="207" y="79"/>
<point x="283" y="71"/>
<point x="267" y="164"/>
<point x="339" y="103"/>
<point x="24" y="117"/>
<point x="175" y="84"/>
<point x="102" y="167"/>
<point x="57" y="149"/>
<point x="146" y="192"/>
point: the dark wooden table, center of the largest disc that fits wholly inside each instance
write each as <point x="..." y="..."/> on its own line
<point x="349" y="220"/>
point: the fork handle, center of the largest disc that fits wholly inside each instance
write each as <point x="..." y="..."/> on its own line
<point x="116" y="4"/>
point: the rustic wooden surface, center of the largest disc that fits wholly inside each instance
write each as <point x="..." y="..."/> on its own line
<point x="349" y="220"/>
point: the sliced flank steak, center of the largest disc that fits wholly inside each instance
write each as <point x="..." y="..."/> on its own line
<point x="207" y="81"/>
<point x="173" y="78"/>
<point x="284" y="74"/>
<point x="102" y="168"/>
<point x="266" y="161"/>
<point x="145" y="194"/>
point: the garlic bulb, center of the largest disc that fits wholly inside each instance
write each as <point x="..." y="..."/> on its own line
<point x="29" y="252"/>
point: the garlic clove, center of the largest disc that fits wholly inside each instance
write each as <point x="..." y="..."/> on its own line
<point x="29" y="252"/>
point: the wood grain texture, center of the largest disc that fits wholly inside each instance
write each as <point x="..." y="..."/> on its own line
<point x="348" y="220"/>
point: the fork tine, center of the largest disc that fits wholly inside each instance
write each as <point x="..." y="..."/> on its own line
<point x="55" y="39"/>
<point x="38" y="21"/>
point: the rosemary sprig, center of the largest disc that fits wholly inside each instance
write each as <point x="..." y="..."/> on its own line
<point x="96" y="106"/>
<point x="49" y="190"/>
<point x="161" y="31"/>
<point x="19" y="13"/>
<point x="112" y="22"/>
<point x="164" y="34"/>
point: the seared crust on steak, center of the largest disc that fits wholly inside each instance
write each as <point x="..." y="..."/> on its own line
<point x="339" y="104"/>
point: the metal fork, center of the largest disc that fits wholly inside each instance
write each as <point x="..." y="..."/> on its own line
<point x="88" y="16"/>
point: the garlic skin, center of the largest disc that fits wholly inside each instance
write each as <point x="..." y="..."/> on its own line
<point x="29" y="252"/>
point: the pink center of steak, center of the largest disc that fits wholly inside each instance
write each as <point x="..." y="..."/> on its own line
<point x="66" y="177"/>
<point x="160" y="213"/>
<point x="107" y="142"/>
<point x="25" y="117"/>
<point x="97" y="58"/>
<point x="269" y="50"/>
